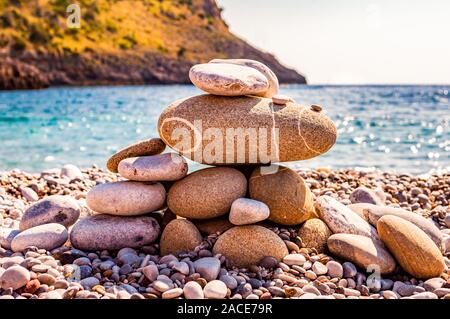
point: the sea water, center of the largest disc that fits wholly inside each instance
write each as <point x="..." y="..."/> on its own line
<point x="402" y="129"/>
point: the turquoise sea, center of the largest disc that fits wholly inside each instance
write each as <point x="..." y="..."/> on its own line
<point x="394" y="128"/>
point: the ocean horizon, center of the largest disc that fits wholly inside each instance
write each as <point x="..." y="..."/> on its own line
<point x="396" y="128"/>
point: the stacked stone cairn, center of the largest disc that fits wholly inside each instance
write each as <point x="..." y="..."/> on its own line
<point x="242" y="198"/>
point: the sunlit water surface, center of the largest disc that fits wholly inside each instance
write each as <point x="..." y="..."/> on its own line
<point x="394" y="128"/>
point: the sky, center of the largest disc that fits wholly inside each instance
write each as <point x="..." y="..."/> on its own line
<point x="350" y="41"/>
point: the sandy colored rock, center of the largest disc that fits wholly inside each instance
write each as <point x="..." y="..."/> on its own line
<point x="285" y="192"/>
<point x="228" y="79"/>
<point x="416" y="253"/>
<point x="264" y="69"/>
<point x="341" y="219"/>
<point x="362" y="251"/>
<point x="161" y="167"/>
<point x="100" y="232"/>
<point x="149" y="147"/>
<point x="179" y="235"/>
<point x="207" y="193"/>
<point x="6" y="236"/>
<point x="374" y="213"/>
<point x="47" y="236"/>
<point x="211" y="226"/>
<point x="244" y="246"/>
<point x="280" y="99"/>
<point x="314" y="233"/>
<point x="302" y="133"/>
<point x="359" y="208"/>
<point x="58" y="209"/>
<point x="126" y="198"/>
<point x="246" y="211"/>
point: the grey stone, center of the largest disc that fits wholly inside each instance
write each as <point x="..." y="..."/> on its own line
<point x="59" y="209"/>
<point x="113" y="232"/>
<point x="47" y="236"/>
<point x="207" y="267"/>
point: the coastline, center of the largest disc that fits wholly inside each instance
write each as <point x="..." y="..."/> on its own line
<point x="115" y="282"/>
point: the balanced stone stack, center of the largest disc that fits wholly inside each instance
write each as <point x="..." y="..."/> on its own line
<point x="120" y="209"/>
<point x="241" y="128"/>
<point x="242" y="196"/>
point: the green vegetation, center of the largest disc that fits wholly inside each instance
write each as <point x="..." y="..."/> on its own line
<point x="178" y="29"/>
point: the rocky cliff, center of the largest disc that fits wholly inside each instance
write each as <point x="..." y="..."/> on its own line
<point x="118" y="42"/>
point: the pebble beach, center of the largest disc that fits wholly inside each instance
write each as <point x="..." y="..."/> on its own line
<point x="145" y="274"/>
<point x="243" y="228"/>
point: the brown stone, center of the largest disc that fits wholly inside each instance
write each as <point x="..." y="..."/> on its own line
<point x="362" y="251"/>
<point x="179" y="235"/>
<point x="314" y="233"/>
<point x="207" y="193"/>
<point x="244" y="246"/>
<point x="152" y="146"/>
<point x="416" y="253"/>
<point x="303" y="134"/>
<point x="374" y="213"/>
<point x="285" y="192"/>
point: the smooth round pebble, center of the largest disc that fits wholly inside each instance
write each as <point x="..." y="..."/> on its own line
<point x="14" y="277"/>
<point x="215" y="290"/>
<point x="319" y="268"/>
<point x="100" y="232"/>
<point x="362" y="251"/>
<point x="335" y="269"/>
<point x="413" y="249"/>
<point x="47" y="236"/>
<point x="126" y="198"/>
<point x="162" y="167"/>
<point x="228" y="79"/>
<point x="172" y="293"/>
<point x="285" y="193"/>
<point x="248" y="211"/>
<point x="314" y="233"/>
<point x="294" y="259"/>
<point x="281" y="99"/>
<point x="59" y="209"/>
<point x="149" y="147"/>
<point x="207" y="193"/>
<point x="207" y="267"/>
<point x="264" y="69"/>
<point x="193" y="290"/>
<point x="244" y="246"/>
<point x="179" y="235"/>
